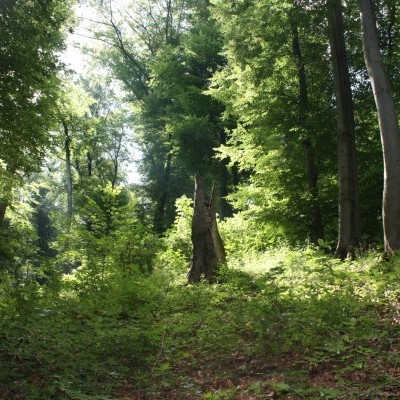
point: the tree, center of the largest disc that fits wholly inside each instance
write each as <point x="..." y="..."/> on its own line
<point x="349" y="224"/>
<point x="276" y="84"/>
<point x="316" y="226"/>
<point x="72" y="109"/>
<point x="388" y="125"/>
<point x="165" y="53"/>
<point x="134" y="37"/>
<point x="31" y="36"/>
<point x="208" y="250"/>
<point x="93" y="142"/>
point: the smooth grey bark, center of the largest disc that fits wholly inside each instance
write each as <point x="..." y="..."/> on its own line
<point x="316" y="226"/>
<point x="208" y="249"/>
<point x="68" y="168"/>
<point x="388" y="125"/>
<point x="349" y="213"/>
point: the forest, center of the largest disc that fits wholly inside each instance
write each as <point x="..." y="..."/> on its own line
<point x="199" y="199"/>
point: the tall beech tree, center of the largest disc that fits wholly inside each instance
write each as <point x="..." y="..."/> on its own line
<point x="388" y="125"/>
<point x="349" y="219"/>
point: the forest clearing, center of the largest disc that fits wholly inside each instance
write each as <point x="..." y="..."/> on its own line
<point x="199" y="199"/>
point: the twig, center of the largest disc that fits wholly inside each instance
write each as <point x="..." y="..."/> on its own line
<point x="159" y="355"/>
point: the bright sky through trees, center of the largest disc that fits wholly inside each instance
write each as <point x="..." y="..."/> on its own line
<point x="79" y="60"/>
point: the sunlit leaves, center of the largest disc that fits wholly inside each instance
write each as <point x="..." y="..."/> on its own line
<point x="30" y="36"/>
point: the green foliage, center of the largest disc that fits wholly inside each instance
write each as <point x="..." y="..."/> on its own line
<point x="96" y="307"/>
<point x="280" y="319"/>
<point x="18" y="240"/>
<point x="259" y="87"/>
<point x="32" y="34"/>
<point x="115" y="245"/>
<point x="178" y="236"/>
<point x="176" y="248"/>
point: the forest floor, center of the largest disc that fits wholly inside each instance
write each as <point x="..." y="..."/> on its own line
<point x="309" y="328"/>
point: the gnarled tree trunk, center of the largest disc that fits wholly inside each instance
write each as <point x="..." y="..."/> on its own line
<point x="208" y="249"/>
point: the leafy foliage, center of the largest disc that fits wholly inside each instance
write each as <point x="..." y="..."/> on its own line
<point x="95" y="305"/>
<point x="32" y="32"/>
<point x="301" y="325"/>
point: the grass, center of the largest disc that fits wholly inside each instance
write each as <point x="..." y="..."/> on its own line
<point x="298" y="325"/>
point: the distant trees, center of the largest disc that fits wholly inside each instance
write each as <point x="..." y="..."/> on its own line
<point x="175" y="51"/>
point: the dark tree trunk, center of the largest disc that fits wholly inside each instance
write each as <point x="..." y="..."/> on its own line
<point x="68" y="168"/>
<point x="391" y="30"/>
<point x="225" y="209"/>
<point x="208" y="249"/>
<point x="89" y="163"/>
<point x="7" y="194"/>
<point x="44" y="228"/>
<point x="388" y="125"/>
<point x="159" y="215"/>
<point x="316" y="227"/>
<point x="349" y="225"/>
<point x="3" y="208"/>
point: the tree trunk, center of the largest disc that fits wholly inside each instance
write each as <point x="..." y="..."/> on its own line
<point x="316" y="227"/>
<point x="89" y="163"/>
<point x="44" y="228"/>
<point x="225" y="209"/>
<point x="3" y="208"/>
<point x="208" y="249"/>
<point x="67" y="149"/>
<point x="388" y="125"/>
<point x="349" y="225"/>
<point x="159" y="215"/>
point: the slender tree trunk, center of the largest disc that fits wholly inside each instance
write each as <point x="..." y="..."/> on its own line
<point x="316" y="227"/>
<point x="89" y="163"/>
<point x="68" y="168"/>
<point x="349" y="225"/>
<point x="391" y="30"/>
<point x="7" y="193"/>
<point x="44" y="228"/>
<point x="225" y="209"/>
<point x="159" y="215"/>
<point x="208" y="249"/>
<point x="388" y="125"/>
<point x="3" y="208"/>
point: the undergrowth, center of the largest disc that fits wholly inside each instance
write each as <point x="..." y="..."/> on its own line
<point x="294" y="324"/>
